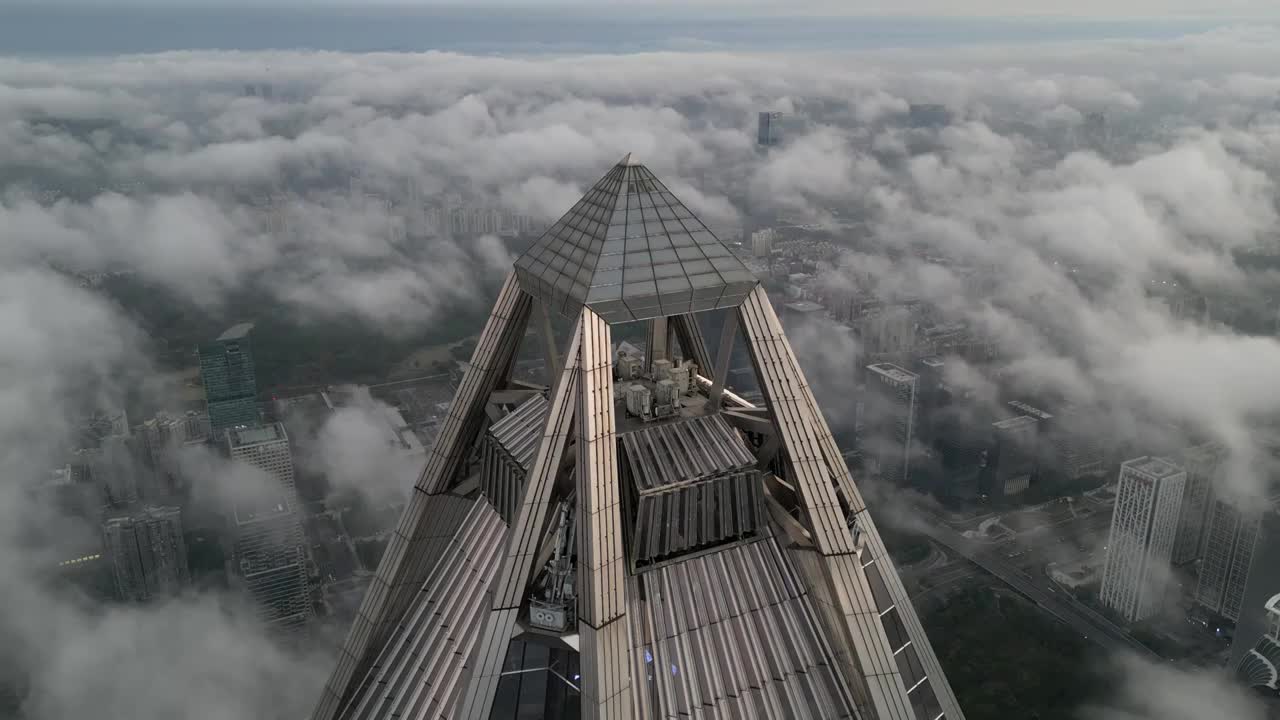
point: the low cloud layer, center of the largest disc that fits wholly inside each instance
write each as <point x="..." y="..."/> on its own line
<point x="167" y="168"/>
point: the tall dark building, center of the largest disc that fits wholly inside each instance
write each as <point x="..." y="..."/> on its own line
<point x="147" y="552"/>
<point x="1013" y="463"/>
<point x="769" y="129"/>
<point x="1259" y="600"/>
<point x="890" y="420"/>
<point x="230" y="386"/>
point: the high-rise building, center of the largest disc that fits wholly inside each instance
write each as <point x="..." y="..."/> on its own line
<point x="931" y="396"/>
<point x="1202" y="463"/>
<point x="230" y="386"/>
<point x="1076" y="449"/>
<point x="769" y="129"/>
<point x="1231" y="536"/>
<point x="1255" y="647"/>
<point x="890" y="420"/>
<point x="1014" y="456"/>
<point x="715" y="562"/>
<point x="762" y="242"/>
<point x="270" y="555"/>
<point x="117" y="468"/>
<point x="147" y="553"/>
<point x="928" y="115"/>
<point x="889" y="332"/>
<point x="1148" y="497"/>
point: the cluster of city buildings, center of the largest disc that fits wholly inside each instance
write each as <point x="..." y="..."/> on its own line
<point x="1176" y="514"/>
<point x="132" y="481"/>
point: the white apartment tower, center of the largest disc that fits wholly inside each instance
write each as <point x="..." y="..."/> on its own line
<point x="270" y="556"/>
<point x="1143" y="528"/>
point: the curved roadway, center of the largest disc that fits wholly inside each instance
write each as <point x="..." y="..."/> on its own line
<point x="1040" y="590"/>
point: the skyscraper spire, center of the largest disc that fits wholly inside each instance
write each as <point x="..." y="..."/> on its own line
<point x="671" y="549"/>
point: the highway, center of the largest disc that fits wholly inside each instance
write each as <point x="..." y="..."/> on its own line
<point x="1040" y="590"/>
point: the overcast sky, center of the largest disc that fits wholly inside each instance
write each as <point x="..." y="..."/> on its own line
<point x="1101" y="9"/>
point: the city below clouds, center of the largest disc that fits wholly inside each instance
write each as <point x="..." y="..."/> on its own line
<point x="304" y="178"/>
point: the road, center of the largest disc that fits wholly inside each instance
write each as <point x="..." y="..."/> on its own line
<point x="1039" y="589"/>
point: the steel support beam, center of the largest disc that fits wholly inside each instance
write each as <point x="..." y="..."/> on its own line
<point x="604" y="632"/>
<point x="689" y="335"/>
<point x="723" y="354"/>
<point x="428" y="522"/>
<point x="552" y="358"/>
<point x="834" y="573"/>
<point x="656" y="342"/>
<point x="510" y="586"/>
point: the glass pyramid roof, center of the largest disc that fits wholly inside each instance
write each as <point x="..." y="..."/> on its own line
<point x="629" y="250"/>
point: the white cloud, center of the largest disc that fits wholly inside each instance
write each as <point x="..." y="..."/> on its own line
<point x="529" y="135"/>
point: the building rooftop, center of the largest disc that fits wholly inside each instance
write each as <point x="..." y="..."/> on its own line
<point x="1026" y="409"/>
<point x="893" y="372"/>
<point x="1153" y="466"/>
<point x="630" y="250"/>
<point x="236" y="332"/>
<point x="803" y="306"/>
<point x="244" y="435"/>
<point x="933" y="362"/>
<point x="1014" y="423"/>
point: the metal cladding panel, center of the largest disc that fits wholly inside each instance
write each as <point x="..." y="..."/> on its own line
<point x="603" y="629"/>
<point x="682" y="452"/>
<point x="511" y="583"/>
<point x="936" y="691"/>
<point x="696" y="517"/>
<point x="419" y="538"/>
<point x="520" y="432"/>
<point x="837" y="577"/>
<point x="510" y="447"/>
<point x="693" y="485"/>
<point x="756" y="652"/>
<point x="629" y="249"/>
<point x="418" y="672"/>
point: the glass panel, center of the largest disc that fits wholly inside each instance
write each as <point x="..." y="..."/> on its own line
<point x="609" y="262"/>
<point x="673" y="284"/>
<point x="690" y="253"/>
<point x="681" y="239"/>
<point x="666" y="271"/>
<point x="607" y="277"/>
<point x="695" y="267"/>
<point x="710" y="280"/>
<point x="925" y="703"/>
<point x="894" y="628"/>
<point x="738" y="276"/>
<point x="658" y="242"/>
<point x="638" y="259"/>
<point x="909" y="666"/>
<point x="878" y="589"/>
<point x="636" y="289"/>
